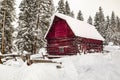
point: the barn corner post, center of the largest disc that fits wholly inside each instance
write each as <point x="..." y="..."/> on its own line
<point x="28" y="59"/>
<point x="0" y="59"/>
<point x="77" y="44"/>
<point x="102" y="50"/>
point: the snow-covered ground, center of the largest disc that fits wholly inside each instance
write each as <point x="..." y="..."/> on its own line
<point x="93" y="66"/>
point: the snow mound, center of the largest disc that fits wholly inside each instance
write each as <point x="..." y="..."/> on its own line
<point x="38" y="72"/>
<point x="7" y="72"/>
<point x="42" y="51"/>
<point x="112" y="49"/>
<point x="94" y="66"/>
<point x="12" y="62"/>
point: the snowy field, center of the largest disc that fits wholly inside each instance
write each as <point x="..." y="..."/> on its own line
<point x="91" y="66"/>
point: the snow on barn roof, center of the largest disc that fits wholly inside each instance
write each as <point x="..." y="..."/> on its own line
<point x="79" y="28"/>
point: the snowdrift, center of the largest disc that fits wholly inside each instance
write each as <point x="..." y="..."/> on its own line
<point x="93" y="66"/>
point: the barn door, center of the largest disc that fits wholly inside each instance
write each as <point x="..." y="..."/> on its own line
<point x="79" y="48"/>
<point x="61" y="49"/>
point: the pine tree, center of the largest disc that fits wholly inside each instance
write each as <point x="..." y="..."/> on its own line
<point x="100" y="22"/>
<point x="108" y="22"/>
<point x="89" y="20"/>
<point x="115" y="29"/>
<point x="96" y="20"/>
<point x="7" y="8"/>
<point x="72" y="14"/>
<point x="118" y="23"/>
<point x="113" y="18"/>
<point x="80" y="16"/>
<point x="112" y="22"/>
<point x="27" y="24"/>
<point x="67" y="9"/>
<point x="101" y="15"/>
<point x="108" y="30"/>
<point x="33" y="22"/>
<point x="99" y="18"/>
<point x="46" y="10"/>
<point x="61" y="7"/>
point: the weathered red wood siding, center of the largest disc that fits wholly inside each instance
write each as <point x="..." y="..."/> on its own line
<point x="59" y="29"/>
<point x="87" y="44"/>
<point x="55" y="45"/>
<point x="60" y="37"/>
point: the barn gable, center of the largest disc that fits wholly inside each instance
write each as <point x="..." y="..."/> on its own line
<point x="59" y="29"/>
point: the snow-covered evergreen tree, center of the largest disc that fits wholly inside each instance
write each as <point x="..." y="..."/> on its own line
<point x="61" y="7"/>
<point x="67" y="8"/>
<point x="99" y="22"/>
<point x="34" y="20"/>
<point x="108" y="22"/>
<point x="116" y="38"/>
<point x="108" y="30"/>
<point x="80" y="16"/>
<point x="112" y="28"/>
<point x="27" y="24"/>
<point x="7" y="8"/>
<point x="113" y="22"/>
<point x="102" y="23"/>
<point x="45" y="11"/>
<point x="115" y="29"/>
<point x="101" y="15"/>
<point x="72" y="14"/>
<point x="96" y="20"/>
<point x="118" y="23"/>
<point x="89" y="20"/>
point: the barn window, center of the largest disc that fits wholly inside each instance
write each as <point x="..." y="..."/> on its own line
<point x="61" y="49"/>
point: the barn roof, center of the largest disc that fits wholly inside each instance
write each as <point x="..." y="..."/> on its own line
<point x="79" y="28"/>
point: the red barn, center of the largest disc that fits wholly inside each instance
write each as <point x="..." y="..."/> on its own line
<point x="68" y="36"/>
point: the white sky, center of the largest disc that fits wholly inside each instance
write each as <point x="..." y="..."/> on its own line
<point x="90" y="7"/>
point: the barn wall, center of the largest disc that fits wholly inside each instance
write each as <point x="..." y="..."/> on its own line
<point x="59" y="29"/>
<point x="88" y="45"/>
<point x="60" y="38"/>
<point x="61" y="47"/>
<point x="72" y="46"/>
